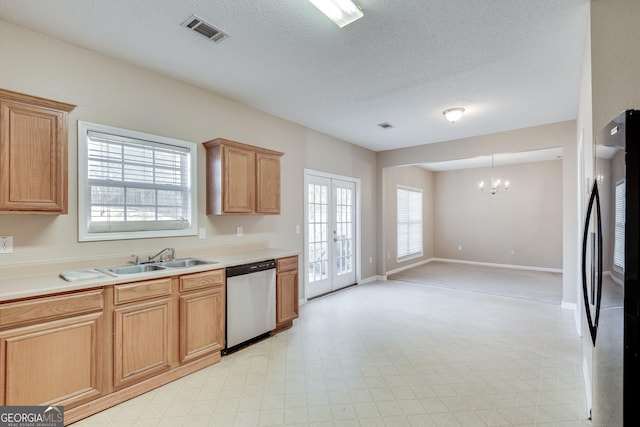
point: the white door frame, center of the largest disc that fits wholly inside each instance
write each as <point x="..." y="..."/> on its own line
<point x="357" y="249"/>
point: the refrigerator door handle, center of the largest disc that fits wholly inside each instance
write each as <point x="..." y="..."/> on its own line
<point x="592" y="322"/>
<point x="599" y="262"/>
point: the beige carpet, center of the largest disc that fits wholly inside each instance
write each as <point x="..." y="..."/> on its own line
<point x="525" y="284"/>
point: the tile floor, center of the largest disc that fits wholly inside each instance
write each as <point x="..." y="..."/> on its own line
<point x="387" y="354"/>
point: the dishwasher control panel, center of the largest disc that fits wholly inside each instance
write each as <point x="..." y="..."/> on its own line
<point x="239" y="270"/>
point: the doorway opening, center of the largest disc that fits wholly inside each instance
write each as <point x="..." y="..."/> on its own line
<point x="331" y="238"/>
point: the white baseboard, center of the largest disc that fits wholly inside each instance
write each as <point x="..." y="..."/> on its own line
<point x="569" y="305"/>
<point x="613" y="277"/>
<point x="408" y="266"/>
<point x="371" y="279"/>
<point x="490" y="264"/>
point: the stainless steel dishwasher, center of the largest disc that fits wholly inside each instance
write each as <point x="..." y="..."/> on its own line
<point x="251" y="302"/>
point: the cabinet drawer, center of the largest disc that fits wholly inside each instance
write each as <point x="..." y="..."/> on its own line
<point x="201" y="280"/>
<point x="286" y="264"/>
<point x="141" y="290"/>
<point x="49" y="308"/>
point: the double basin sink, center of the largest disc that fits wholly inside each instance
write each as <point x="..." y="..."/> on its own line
<point x="123" y="270"/>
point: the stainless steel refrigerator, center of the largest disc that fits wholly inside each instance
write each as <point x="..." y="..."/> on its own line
<point x="610" y="263"/>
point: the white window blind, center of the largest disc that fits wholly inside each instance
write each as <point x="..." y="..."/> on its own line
<point x="135" y="185"/>
<point x="409" y="223"/>
<point x="618" y="249"/>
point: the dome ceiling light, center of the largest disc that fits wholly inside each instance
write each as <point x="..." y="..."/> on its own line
<point x="453" y="114"/>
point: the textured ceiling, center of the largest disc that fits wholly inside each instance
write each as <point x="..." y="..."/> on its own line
<point x="510" y="63"/>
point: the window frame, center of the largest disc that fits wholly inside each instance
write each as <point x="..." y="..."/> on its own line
<point x="619" y="226"/>
<point x="416" y="254"/>
<point x="84" y="234"/>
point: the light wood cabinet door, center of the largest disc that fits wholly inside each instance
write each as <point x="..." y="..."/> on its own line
<point x="53" y="363"/>
<point x="286" y="291"/>
<point x="142" y="341"/>
<point x="267" y="184"/>
<point x="33" y="154"/>
<point x="202" y="322"/>
<point x="239" y="176"/>
<point x="202" y="314"/>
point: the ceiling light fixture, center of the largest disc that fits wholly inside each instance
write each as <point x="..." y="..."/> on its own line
<point x="341" y="12"/>
<point x="453" y="114"/>
<point x="496" y="185"/>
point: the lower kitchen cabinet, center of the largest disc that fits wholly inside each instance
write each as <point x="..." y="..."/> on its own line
<point x="142" y="331"/>
<point x="202" y="315"/>
<point x="51" y="350"/>
<point x="92" y="349"/>
<point x="286" y="291"/>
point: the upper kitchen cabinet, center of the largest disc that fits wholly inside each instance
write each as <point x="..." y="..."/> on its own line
<point x="242" y="179"/>
<point x="33" y="154"/>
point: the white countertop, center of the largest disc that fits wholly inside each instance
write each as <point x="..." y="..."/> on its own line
<point x="42" y="279"/>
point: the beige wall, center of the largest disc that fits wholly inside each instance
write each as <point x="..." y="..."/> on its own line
<point x="414" y="177"/>
<point x="522" y="227"/>
<point x="615" y="58"/>
<point x="111" y="92"/>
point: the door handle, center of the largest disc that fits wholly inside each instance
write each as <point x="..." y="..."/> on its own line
<point x="592" y="322"/>
<point x="599" y="263"/>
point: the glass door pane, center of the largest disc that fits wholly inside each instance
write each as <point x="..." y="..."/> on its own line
<point x="344" y="234"/>
<point x="318" y="233"/>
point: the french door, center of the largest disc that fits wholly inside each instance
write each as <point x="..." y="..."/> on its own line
<point x="330" y="237"/>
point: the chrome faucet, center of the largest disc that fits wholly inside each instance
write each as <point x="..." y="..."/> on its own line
<point x="161" y="255"/>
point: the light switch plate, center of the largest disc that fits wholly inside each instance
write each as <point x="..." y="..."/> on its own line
<point x="6" y="244"/>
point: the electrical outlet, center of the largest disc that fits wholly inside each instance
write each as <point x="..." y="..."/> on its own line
<point x="202" y="233"/>
<point x="459" y="247"/>
<point x="239" y="231"/>
<point x="6" y="244"/>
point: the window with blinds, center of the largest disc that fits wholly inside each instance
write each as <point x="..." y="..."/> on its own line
<point x="409" y="223"/>
<point x="134" y="185"/>
<point x="618" y="244"/>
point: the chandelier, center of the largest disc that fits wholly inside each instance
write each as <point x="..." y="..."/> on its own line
<point x="496" y="186"/>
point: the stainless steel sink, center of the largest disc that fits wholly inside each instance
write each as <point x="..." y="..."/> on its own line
<point x="186" y="262"/>
<point x="127" y="269"/>
<point x="133" y="269"/>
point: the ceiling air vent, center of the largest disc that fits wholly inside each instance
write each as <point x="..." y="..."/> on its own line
<point x="205" y="29"/>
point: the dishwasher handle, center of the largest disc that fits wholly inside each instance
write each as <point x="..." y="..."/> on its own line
<point x="239" y="270"/>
